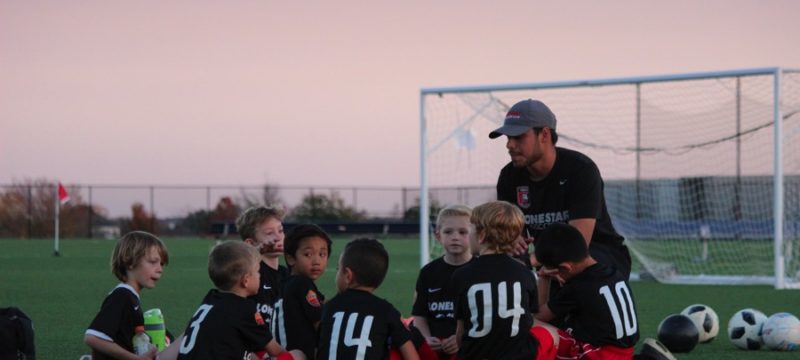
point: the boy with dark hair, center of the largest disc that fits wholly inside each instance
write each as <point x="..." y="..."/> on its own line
<point x="497" y="294"/>
<point x="356" y="324"/>
<point x="137" y="261"/>
<point x="595" y="300"/>
<point x="299" y="311"/>
<point x="434" y="297"/>
<point x="261" y="227"/>
<point x="226" y="326"/>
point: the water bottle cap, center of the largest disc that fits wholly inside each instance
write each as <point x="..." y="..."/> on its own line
<point x="139" y="329"/>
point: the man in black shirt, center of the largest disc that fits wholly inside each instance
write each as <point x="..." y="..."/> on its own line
<point x="595" y="300"/>
<point x="556" y="185"/>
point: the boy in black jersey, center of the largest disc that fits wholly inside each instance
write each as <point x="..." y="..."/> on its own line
<point x="226" y="326"/>
<point x="137" y="261"/>
<point x="355" y="323"/>
<point x="595" y="300"/>
<point x="497" y="294"/>
<point x="434" y="297"/>
<point x="261" y="227"/>
<point x="299" y="311"/>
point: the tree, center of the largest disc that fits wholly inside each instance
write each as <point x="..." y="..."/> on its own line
<point x="317" y="207"/>
<point x="226" y="211"/>
<point x="412" y="213"/>
<point x="141" y="220"/>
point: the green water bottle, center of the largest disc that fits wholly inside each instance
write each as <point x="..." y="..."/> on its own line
<point x="154" y="327"/>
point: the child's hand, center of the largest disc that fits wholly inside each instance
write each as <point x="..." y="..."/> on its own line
<point x="149" y="355"/>
<point x="434" y="343"/>
<point x="550" y="273"/>
<point x="450" y="345"/>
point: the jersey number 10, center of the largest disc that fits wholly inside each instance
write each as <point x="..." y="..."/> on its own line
<point x="621" y="299"/>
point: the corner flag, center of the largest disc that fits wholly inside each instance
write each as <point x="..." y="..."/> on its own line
<point x="63" y="196"/>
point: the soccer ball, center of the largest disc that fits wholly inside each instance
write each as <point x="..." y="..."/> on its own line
<point x="782" y="332"/>
<point x="678" y="333"/>
<point x="744" y="329"/>
<point x="706" y="320"/>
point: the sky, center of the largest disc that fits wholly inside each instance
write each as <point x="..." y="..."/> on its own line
<point x="317" y="92"/>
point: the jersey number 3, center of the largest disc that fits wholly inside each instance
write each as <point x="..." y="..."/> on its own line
<point x="621" y="301"/>
<point x="194" y="327"/>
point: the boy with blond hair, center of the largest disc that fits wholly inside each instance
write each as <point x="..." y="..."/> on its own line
<point x="434" y="297"/>
<point x="137" y="261"/>
<point x="497" y="295"/>
<point x="226" y="326"/>
<point x="261" y="227"/>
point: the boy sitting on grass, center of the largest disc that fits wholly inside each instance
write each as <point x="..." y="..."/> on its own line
<point x="595" y="300"/>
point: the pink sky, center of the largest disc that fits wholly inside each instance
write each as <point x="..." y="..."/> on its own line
<point x="317" y="93"/>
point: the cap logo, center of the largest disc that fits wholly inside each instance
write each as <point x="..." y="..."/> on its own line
<point x="513" y="115"/>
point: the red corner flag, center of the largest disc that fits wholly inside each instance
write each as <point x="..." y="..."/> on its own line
<point x="63" y="196"/>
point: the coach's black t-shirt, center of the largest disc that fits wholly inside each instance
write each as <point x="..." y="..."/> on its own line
<point x="572" y="190"/>
<point x="358" y="325"/>
<point x="225" y="326"/>
<point x="497" y="298"/>
<point x="119" y="316"/>
<point x="598" y="306"/>
<point x="296" y="313"/>
<point x="436" y="297"/>
<point x="269" y="292"/>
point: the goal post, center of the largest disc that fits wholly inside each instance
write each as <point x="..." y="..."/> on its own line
<point x="701" y="170"/>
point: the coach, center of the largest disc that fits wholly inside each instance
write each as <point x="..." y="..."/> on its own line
<point x="556" y="185"/>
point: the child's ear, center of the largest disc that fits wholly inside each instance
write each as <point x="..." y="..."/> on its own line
<point x="437" y="235"/>
<point x="348" y="275"/>
<point x="290" y="260"/>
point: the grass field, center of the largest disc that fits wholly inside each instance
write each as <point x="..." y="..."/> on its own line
<point x="62" y="294"/>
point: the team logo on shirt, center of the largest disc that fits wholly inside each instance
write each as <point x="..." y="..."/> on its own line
<point x="523" y="197"/>
<point x="259" y="319"/>
<point x="312" y="299"/>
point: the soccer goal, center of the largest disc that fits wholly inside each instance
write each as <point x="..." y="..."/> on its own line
<point x="701" y="170"/>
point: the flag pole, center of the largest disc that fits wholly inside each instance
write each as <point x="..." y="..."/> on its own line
<point x="58" y="209"/>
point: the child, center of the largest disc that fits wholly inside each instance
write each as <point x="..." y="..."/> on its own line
<point x="261" y="227"/>
<point x="307" y="249"/>
<point x="497" y="294"/>
<point x="357" y="324"/>
<point x="225" y="326"/>
<point x="434" y="298"/>
<point x="137" y="261"/>
<point x="595" y="300"/>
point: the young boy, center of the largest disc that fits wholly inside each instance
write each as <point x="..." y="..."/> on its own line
<point x="434" y="297"/>
<point x="357" y="324"/>
<point x="261" y="227"/>
<point x="137" y="261"/>
<point x="226" y="326"/>
<point x="298" y="313"/>
<point x="595" y="299"/>
<point x="497" y="294"/>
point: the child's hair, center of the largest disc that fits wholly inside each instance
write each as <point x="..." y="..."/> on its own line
<point x="131" y="248"/>
<point x="247" y="222"/>
<point x="559" y="243"/>
<point x="301" y="232"/>
<point x="367" y="259"/>
<point x="229" y="261"/>
<point x="500" y="222"/>
<point x="452" y="211"/>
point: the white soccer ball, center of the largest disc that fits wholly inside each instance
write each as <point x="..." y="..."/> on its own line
<point x="706" y="320"/>
<point x="782" y="332"/>
<point x="744" y="329"/>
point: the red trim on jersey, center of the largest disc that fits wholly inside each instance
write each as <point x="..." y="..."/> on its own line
<point x="547" y="349"/>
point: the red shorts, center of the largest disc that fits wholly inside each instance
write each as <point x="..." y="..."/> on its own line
<point x="547" y="350"/>
<point x="571" y="348"/>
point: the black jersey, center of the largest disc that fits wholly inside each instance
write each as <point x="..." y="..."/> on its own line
<point x="436" y="297"/>
<point x="497" y="298"/>
<point x="572" y="190"/>
<point x="269" y="291"/>
<point x="598" y="306"/>
<point x="296" y="313"/>
<point x="117" y="320"/>
<point x="225" y="326"/>
<point x="358" y="325"/>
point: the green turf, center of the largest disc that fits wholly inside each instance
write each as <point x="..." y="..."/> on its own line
<point x="62" y="294"/>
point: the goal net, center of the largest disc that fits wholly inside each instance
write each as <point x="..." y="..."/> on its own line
<point x="701" y="171"/>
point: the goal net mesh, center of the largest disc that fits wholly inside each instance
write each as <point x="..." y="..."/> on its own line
<point x="688" y="165"/>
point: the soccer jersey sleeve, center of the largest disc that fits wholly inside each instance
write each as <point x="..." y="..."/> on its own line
<point x="398" y="333"/>
<point x="118" y="317"/>
<point x="419" y="308"/>
<point x="254" y="332"/>
<point x="563" y="302"/>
